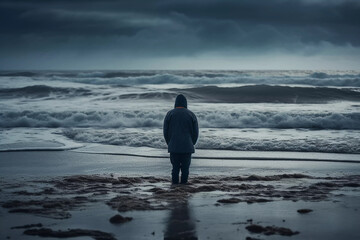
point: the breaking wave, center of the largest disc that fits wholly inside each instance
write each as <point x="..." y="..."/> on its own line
<point x="208" y="119"/>
<point x="243" y="140"/>
<point x="328" y="78"/>
<point x="251" y="94"/>
<point x="40" y="91"/>
<point x="243" y="94"/>
<point x="273" y="94"/>
<point x="170" y="78"/>
<point x="104" y="107"/>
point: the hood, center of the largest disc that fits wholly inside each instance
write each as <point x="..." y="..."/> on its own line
<point x="181" y="101"/>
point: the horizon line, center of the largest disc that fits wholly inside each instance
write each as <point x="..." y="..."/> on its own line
<point x="184" y="69"/>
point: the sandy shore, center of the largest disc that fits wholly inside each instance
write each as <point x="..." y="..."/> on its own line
<point x="67" y="194"/>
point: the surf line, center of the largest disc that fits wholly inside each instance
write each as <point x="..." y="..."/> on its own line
<point x="228" y="158"/>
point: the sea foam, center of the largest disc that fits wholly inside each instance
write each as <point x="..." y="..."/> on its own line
<point x="154" y="118"/>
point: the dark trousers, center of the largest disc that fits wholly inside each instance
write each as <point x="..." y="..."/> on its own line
<point x="180" y="161"/>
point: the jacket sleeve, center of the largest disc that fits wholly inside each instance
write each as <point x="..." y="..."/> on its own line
<point x="195" y="134"/>
<point x="166" y="128"/>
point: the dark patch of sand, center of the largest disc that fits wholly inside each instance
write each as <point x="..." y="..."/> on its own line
<point x="247" y="200"/>
<point x="38" y="225"/>
<point x="304" y="210"/>
<point x="229" y="200"/>
<point x="265" y="178"/>
<point x="271" y="230"/>
<point x="251" y="238"/>
<point x="57" y="208"/>
<point x="70" y="233"/>
<point x="257" y="200"/>
<point x="117" y="219"/>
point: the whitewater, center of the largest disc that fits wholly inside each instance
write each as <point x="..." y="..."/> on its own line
<point x="253" y="111"/>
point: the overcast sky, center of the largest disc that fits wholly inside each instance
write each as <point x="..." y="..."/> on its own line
<point x="180" y="34"/>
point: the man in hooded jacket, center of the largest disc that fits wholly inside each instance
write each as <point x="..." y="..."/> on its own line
<point x="181" y="132"/>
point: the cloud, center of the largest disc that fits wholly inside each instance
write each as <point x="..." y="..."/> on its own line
<point x="161" y="28"/>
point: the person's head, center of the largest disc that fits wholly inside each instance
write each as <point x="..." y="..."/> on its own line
<point x="180" y="101"/>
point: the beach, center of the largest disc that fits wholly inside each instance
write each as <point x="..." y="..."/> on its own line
<point x="78" y="193"/>
<point x="82" y="155"/>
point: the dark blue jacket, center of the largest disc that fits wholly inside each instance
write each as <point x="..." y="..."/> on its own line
<point x="181" y="129"/>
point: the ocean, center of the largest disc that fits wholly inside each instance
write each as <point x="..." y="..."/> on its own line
<point x="253" y="111"/>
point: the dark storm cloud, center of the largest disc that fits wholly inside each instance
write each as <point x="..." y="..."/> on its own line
<point x="57" y="20"/>
<point x="177" y="27"/>
<point x="337" y="22"/>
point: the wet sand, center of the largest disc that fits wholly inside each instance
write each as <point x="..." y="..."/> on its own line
<point x="66" y="194"/>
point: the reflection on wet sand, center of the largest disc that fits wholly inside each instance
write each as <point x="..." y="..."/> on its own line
<point x="180" y="224"/>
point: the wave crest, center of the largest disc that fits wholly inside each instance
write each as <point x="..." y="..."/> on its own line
<point x="41" y="91"/>
<point x="312" y="78"/>
<point x="241" y="140"/>
<point x="208" y="119"/>
<point x="272" y="94"/>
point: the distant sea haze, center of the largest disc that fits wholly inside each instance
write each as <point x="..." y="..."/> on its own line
<point x="237" y="110"/>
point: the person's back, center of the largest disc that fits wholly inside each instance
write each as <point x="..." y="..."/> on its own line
<point x="180" y="132"/>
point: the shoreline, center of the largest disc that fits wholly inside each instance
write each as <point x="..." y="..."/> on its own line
<point x="59" y="163"/>
<point x="234" y="158"/>
<point x="208" y="154"/>
<point x="194" y="157"/>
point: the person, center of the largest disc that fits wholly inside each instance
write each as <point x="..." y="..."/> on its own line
<point x="181" y="132"/>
